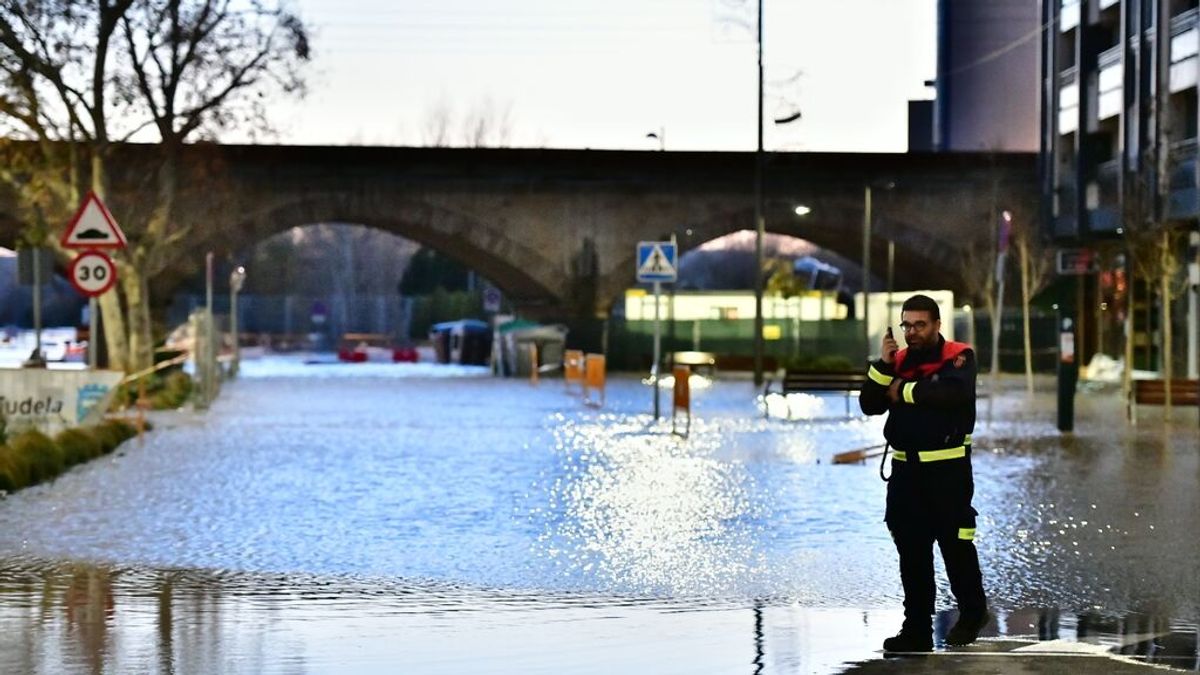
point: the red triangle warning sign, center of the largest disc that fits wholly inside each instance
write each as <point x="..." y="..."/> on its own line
<point x="93" y="227"/>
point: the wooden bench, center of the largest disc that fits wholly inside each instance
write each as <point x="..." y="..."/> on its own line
<point x="1154" y="392"/>
<point x="794" y="381"/>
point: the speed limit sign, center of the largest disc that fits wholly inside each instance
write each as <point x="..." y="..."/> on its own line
<point x="93" y="273"/>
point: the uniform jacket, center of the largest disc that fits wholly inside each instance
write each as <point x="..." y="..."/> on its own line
<point x="937" y="406"/>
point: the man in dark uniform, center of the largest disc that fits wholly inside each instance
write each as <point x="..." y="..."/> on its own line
<point x="929" y="391"/>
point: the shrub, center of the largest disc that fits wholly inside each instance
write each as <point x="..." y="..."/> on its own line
<point x="14" y="475"/>
<point x="176" y="389"/>
<point x="79" y="445"/>
<point x="32" y="457"/>
<point x="163" y="392"/>
<point x="112" y="432"/>
<point x="820" y="364"/>
<point x="39" y="453"/>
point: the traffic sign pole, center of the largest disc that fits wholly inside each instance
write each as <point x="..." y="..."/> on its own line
<point x="656" y="263"/>
<point x="93" y="342"/>
<point x="93" y="227"/>
<point x="657" y="344"/>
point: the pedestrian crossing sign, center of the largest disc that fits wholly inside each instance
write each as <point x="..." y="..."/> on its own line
<point x="656" y="261"/>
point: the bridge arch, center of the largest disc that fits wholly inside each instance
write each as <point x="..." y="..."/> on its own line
<point x="835" y="224"/>
<point x="512" y="267"/>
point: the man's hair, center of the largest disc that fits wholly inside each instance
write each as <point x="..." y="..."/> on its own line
<point x="922" y="303"/>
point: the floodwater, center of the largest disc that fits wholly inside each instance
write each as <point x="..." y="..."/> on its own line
<point x="382" y="518"/>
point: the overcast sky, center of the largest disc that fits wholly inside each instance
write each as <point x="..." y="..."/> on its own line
<point x="604" y="73"/>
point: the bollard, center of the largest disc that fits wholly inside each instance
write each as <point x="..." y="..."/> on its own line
<point x="593" y="379"/>
<point x="682" y="398"/>
<point x="533" y="363"/>
<point x="572" y="367"/>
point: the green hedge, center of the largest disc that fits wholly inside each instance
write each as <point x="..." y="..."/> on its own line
<point x="165" y="392"/>
<point x="32" y="457"/>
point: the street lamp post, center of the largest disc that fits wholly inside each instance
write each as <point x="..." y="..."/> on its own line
<point x="759" y="225"/>
<point x="236" y="279"/>
<point x="866" y="271"/>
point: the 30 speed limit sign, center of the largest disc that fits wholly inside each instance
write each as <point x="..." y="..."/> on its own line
<point x="93" y="273"/>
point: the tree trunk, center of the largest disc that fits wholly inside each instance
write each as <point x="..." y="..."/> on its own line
<point x="1130" y="297"/>
<point x="1164" y="278"/>
<point x="137" y="297"/>
<point x="1023" y="251"/>
<point x="114" y="329"/>
<point x="110" y="302"/>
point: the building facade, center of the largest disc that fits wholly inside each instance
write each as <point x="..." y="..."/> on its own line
<point x="987" y="84"/>
<point x="1120" y="113"/>
<point x="1119" y="130"/>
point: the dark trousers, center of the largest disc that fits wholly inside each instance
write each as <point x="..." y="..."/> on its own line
<point x="928" y="503"/>
<point x="915" y="546"/>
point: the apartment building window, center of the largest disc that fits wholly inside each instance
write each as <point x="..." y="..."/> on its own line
<point x="1066" y="50"/>
<point x="1183" y="115"/>
<point x="1180" y="6"/>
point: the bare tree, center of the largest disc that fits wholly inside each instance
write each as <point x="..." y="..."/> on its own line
<point x="1036" y="264"/>
<point x="436" y="126"/>
<point x="486" y="124"/>
<point x="89" y="74"/>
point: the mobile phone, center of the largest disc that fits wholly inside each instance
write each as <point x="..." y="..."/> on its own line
<point x="889" y="333"/>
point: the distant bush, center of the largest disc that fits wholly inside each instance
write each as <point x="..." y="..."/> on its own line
<point x="176" y="389"/>
<point x="78" y="445"/>
<point x="31" y="457"/>
<point x="163" y="392"/>
<point x="820" y="364"/>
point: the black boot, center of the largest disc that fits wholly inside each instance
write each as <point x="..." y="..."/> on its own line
<point x="908" y="640"/>
<point x="967" y="628"/>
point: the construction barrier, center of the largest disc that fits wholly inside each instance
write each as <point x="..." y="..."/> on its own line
<point x="682" y="398"/>
<point x="573" y="367"/>
<point x="533" y="363"/>
<point x="594" y="366"/>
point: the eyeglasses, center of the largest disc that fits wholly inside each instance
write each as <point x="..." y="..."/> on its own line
<point x="919" y="326"/>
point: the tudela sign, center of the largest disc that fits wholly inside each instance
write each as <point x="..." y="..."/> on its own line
<point x="53" y="400"/>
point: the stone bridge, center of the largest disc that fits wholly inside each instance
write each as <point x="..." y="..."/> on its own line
<point x="556" y="229"/>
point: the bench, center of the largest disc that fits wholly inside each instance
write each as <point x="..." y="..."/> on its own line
<point x="1154" y="392"/>
<point x="795" y="381"/>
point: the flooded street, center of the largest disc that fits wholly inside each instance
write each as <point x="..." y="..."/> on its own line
<point x="326" y="519"/>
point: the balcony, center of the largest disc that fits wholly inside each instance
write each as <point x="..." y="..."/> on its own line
<point x="1108" y="180"/>
<point x="1184" y="200"/>
<point x="1185" y="46"/>
<point x="1104" y="205"/>
<point x="1068" y="101"/>
<point x="1068" y="17"/>
<point x="1110" y="83"/>
<point x="1066" y="224"/>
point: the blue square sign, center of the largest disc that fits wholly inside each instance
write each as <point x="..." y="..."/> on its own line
<point x="656" y="261"/>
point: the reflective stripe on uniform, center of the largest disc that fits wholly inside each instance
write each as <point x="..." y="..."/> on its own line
<point x="908" y="391"/>
<point x="967" y="439"/>
<point x="932" y="455"/>
<point x="966" y="533"/>
<point x="878" y="377"/>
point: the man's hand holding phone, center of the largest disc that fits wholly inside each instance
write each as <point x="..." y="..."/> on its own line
<point x="889" y="347"/>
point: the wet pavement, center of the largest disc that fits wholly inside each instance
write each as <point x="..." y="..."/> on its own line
<point x="386" y="518"/>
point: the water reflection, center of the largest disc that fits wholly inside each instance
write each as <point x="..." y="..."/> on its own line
<point x="369" y="523"/>
<point x="76" y="618"/>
